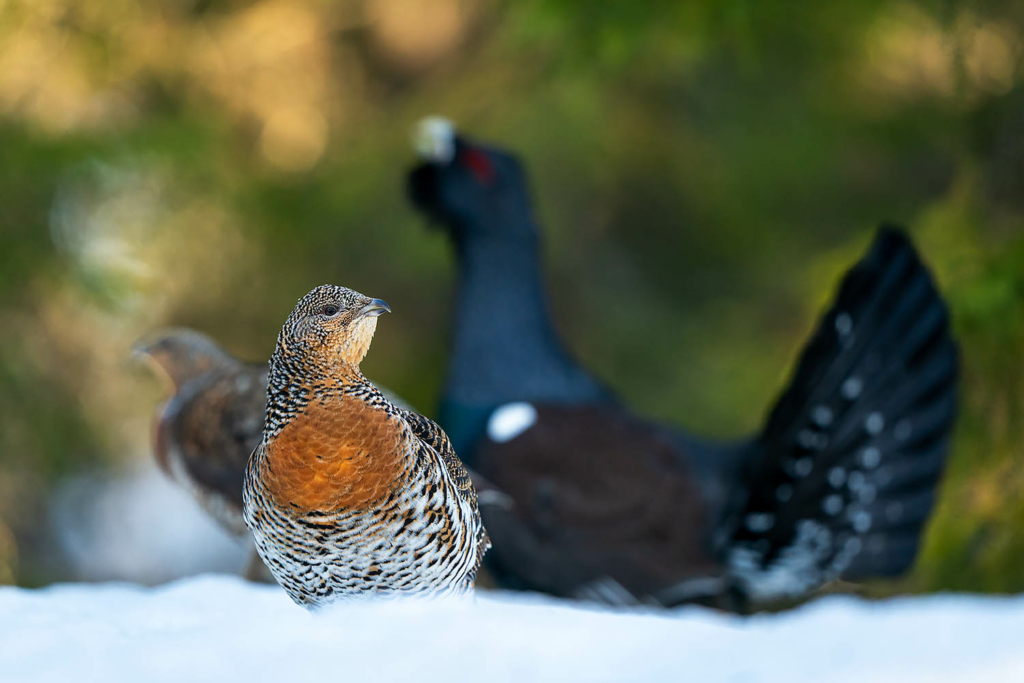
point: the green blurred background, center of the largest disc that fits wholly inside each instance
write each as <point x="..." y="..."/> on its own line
<point x="704" y="171"/>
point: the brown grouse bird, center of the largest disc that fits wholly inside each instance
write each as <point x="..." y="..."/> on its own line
<point x="348" y="494"/>
<point x="590" y="500"/>
<point x="205" y="432"/>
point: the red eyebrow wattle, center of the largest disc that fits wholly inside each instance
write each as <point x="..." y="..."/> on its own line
<point x="479" y="164"/>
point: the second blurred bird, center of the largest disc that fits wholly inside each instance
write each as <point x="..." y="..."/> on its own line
<point x="205" y="432"/>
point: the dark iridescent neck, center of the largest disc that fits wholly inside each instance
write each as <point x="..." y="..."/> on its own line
<point x="504" y="345"/>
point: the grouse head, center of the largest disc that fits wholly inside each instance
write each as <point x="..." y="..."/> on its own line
<point x="476" y="192"/>
<point x="182" y="355"/>
<point x="329" y="326"/>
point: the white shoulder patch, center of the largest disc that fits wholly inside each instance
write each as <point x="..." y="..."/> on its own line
<point x="510" y="420"/>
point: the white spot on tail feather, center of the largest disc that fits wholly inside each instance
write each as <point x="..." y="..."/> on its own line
<point x="510" y="420"/>
<point x="851" y="388"/>
<point x="833" y="505"/>
<point x="844" y="324"/>
<point x="759" y="522"/>
<point x="842" y="560"/>
<point x="870" y="457"/>
<point x="822" y="416"/>
<point x="796" y="569"/>
<point x="874" y="423"/>
<point x="837" y="477"/>
<point x="803" y="466"/>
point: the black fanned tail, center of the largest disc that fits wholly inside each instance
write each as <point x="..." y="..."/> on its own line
<point x="840" y="483"/>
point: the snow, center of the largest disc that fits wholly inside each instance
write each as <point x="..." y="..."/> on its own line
<point x="219" y="628"/>
<point x="138" y="526"/>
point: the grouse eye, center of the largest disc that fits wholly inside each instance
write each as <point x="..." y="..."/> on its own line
<point x="330" y="310"/>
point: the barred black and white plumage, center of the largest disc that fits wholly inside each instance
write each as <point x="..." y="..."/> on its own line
<point x="842" y="480"/>
<point x="348" y="494"/>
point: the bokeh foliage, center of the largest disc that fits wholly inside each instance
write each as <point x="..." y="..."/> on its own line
<point x="704" y="170"/>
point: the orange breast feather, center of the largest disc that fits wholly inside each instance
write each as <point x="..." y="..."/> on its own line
<point x="339" y="454"/>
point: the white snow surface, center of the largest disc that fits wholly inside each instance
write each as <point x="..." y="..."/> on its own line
<point x="220" y="628"/>
<point x="138" y="526"/>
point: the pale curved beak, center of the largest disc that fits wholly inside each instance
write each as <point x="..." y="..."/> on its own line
<point x="374" y="308"/>
<point x="434" y="140"/>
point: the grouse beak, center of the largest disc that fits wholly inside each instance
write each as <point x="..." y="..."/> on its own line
<point x="142" y="350"/>
<point x="147" y="351"/>
<point x="374" y="308"/>
<point x="150" y="353"/>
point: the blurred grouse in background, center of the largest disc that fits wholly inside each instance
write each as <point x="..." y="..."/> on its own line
<point x="205" y="432"/>
<point x="586" y="499"/>
<point x="347" y="493"/>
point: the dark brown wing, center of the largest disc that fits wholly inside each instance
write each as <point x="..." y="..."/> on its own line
<point x="595" y="497"/>
<point x="206" y="433"/>
<point x="430" y="433"/>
